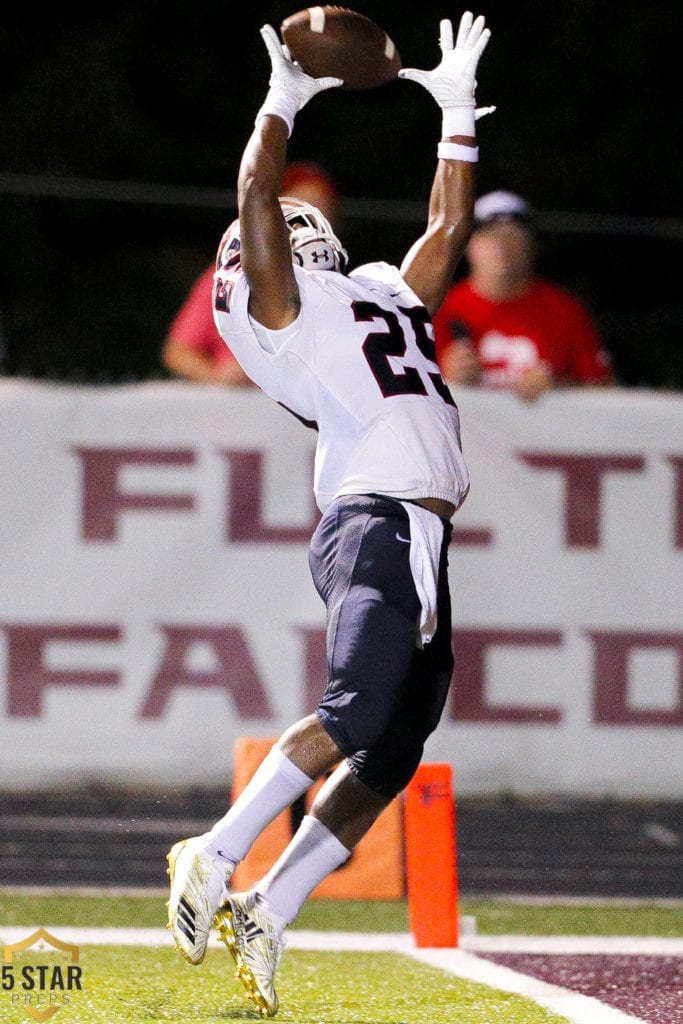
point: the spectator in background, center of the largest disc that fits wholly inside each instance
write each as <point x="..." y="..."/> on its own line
<point x="506" y="327"/>
<point x="193" y="347"/>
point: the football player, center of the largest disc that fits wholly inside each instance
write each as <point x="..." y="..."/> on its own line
<point x="352" y="355"/>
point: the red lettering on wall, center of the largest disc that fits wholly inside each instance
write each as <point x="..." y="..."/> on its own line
<point x="236" y="672"/>
<point x="471" y="536"/>
<point x="468" y="700"/>
<point x="27" y="676"/>
<point x="583" y="476"/>
<point x="245" y="505"/>
<point x="677" y="463"/>
<point x="610" y="694"/>
<point x="103" y="501"/>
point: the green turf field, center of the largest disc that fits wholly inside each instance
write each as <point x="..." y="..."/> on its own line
<point x="139" y="985"/>
<point x="131" y="986"/>
<point x="493" y="917"/>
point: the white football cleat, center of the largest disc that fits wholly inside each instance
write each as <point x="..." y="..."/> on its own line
<point x="254" y="938"/>
<point x="199" y="884"/>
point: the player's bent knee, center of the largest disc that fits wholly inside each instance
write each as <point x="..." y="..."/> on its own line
<point x="386" y="776"/>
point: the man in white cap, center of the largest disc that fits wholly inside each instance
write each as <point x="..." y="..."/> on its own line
<point x="506" y="327"/>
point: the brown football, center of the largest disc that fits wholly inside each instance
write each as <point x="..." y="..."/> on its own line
<point x="343" y="43"/>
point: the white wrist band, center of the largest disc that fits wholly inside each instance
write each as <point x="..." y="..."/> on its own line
<point x="281" y="106"/>
<point x="457" y="120"/>
<point x="454" y="151"/>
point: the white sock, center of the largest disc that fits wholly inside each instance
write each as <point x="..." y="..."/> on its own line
<point x="311" y="855"/>
<point x="276" y="783"/>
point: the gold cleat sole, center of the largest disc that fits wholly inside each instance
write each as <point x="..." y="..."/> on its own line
<point x="224" y="924"/>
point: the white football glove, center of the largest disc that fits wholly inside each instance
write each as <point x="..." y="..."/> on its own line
<point x="452" y="82"/>
<point x="290" y="88"/>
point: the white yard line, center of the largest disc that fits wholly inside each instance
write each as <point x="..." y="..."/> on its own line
<point x="608" y="945"/>
<point x="463" y="961"/>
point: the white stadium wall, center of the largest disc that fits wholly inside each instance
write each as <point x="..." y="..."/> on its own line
<point x="156" y="601"/>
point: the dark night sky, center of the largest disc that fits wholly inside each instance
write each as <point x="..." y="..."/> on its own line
<point x="166" y="93"/>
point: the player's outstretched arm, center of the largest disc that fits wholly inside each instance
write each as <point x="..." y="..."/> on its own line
<point x="264" y="240"/>
<point x="430" y="264"/>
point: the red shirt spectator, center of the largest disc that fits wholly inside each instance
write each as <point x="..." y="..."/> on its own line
<point x="194" y="329"/>
<point x="504" y="327"/>
<point x="544" y="325"/>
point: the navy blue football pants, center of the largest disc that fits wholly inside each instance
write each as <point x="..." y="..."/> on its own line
<point x="384" y="694"/>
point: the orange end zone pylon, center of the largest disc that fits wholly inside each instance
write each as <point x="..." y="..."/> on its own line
<point x="430" y="856"/>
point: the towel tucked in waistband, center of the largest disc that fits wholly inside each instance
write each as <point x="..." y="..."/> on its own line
<point x="426" y="538"/>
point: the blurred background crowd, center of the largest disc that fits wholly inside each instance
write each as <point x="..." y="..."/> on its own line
<point x="123" y="127"/>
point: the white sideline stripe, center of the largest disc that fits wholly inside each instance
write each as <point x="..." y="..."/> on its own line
<point x="463" y="962"/>
<point x="567" y="945"/>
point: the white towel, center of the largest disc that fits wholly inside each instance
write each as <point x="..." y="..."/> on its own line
<point x="426" y="538"/>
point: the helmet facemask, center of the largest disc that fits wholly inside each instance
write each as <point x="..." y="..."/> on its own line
<point x="314" y="244"/>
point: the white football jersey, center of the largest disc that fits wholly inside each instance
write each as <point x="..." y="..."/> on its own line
<point x="358" y="364"/>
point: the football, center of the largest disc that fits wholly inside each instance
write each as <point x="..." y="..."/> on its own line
<point x="343" y="43"/>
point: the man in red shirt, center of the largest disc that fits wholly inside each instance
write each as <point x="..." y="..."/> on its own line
<point x="193" y="348"/>
<point x="505" y="327"/>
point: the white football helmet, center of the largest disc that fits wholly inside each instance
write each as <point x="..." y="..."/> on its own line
<point x="313" y="242"/>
